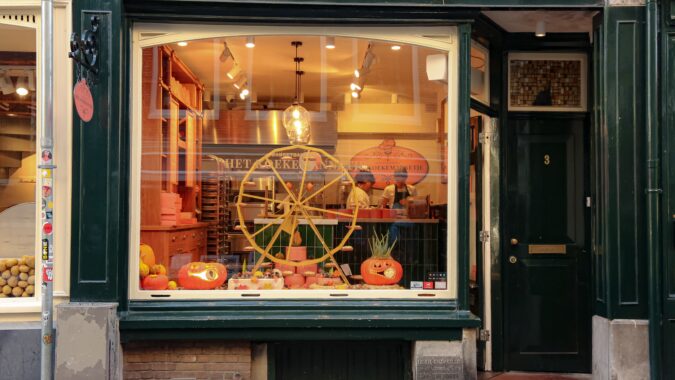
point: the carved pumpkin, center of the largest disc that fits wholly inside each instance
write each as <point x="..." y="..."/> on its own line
<point x="381" y="271"/>
<point x="147" y="255"/>
<point x="202" y="276"/>
<point x="155" y="282"/>
<point x="381" y="268"/>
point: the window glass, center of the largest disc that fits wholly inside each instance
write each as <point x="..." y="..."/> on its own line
<point x="291" y="165"/>
<point x="18" y="161"/>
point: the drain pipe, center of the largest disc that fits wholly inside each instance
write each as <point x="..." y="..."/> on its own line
<point x="46" y="167"/>
<point x="653" y="190"/>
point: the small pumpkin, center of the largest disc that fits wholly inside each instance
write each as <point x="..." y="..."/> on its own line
<point x="155" y="282"/>
<point x="381" y="268"/>
<point x="202" y="276"/>
<point x="144" y="270"/>
<point x="157" y="269"/>
<point x="172" y="285"/>
<point x="147" y="255"/>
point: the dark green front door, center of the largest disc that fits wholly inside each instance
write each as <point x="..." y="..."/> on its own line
<point x="546" y="265"/>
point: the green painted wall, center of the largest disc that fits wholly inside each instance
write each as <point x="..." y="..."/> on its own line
<point x="619" y="164"/>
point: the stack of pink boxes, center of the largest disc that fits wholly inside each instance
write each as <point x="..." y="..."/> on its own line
<point x="295" y="275"/>
<point x="171" y="206"/>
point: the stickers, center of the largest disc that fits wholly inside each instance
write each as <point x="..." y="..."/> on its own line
<point x="84" y="102"/>
<point x="440" y="285"/>
<point x="46" y="173"/>
<point x="47" y="228"/>
<point x="416" y="285"/>
<point x="46" y="155"/>
<point x="46" y="191"/>
<point x="48" y="272"/>
<point x="428" y="285"/>
<point x="45" y="249"/>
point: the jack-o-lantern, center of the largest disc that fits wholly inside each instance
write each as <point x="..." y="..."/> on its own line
<point x="155" y="282"/>
<point x="381" y="268"/>
<point x="202" y="276"/>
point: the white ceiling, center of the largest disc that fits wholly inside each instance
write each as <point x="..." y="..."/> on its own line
<point x="556" y="21"/>
<point x="16" y="38"/>
<point x="270" y="68"/>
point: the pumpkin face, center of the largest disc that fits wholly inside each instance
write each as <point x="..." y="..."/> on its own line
<point x="381" y="271"/>
<point x="202" y="276"/>
<point x="155" y="282"/>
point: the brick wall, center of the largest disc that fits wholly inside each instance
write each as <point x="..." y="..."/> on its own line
<point x="221" y="360"/>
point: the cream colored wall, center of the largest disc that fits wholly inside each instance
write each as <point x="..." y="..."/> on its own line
<point x="28" y="309"/>
<point x="21" y="185"/>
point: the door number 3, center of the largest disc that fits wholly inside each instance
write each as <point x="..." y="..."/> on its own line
<point x="547" y="160"/>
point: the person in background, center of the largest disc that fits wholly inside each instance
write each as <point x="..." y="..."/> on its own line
<point x="396" y="194"/>
<point x="364" y="182"/>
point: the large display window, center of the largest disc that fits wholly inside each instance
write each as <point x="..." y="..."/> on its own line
<point x="288" y="162"/>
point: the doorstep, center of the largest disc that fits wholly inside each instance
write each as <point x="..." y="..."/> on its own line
<point x="531" y="376"/>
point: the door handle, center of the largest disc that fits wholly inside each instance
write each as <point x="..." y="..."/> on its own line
<point x="513" y="259"/>
<point x="514" y="241"/>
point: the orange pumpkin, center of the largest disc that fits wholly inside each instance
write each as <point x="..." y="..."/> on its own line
<point x="381" y="268"/>
<point x="155" y="282"/>
<point x="147" y="255"/>
<point x="202" y="276"/>
<point x="381" y="271"/>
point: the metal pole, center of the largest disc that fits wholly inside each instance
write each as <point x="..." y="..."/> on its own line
<point x="46" y="168"/>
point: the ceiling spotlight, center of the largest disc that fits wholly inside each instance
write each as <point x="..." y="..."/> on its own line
<point x="234" y="71"/>
<point x="354" y="87"/>
<point x="31" y="81"/>
<point x="226" y="54"/>
<point x="357" y="73"/>
<point x="182" y="44"/>
<point x="6" y="85"/>
<point x="540" y="31"/>
<point x="356" y="94"/>
<point x="244" y="93"/>
<point x="395" y="47"/>
<point x="21" y="86"/>
<point x="250" y="42"/>
<point x="330" y="42"/>
<point x="368" y="59"/>
<point x="240" y="83"/>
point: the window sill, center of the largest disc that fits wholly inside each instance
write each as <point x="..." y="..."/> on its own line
<point x="311" y="319"/>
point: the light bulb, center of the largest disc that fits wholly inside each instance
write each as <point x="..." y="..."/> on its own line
<point x="182" y="44"/>
<point x="234" y="71"/>
<point x="355" y="94"/>
<point x="21" y="86"/>
<point x="330" y="42"/>
<point x="21" y="91"/>
<point x="296" y="122"/>
<point x="540" y="30"/>
<point x="357" y="73"/>
<point x="395" y="47"/>
<point x="250" y="42"/>
<point x="354" y="87"/>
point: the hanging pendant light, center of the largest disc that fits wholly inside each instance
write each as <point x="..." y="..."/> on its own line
<point x="296" y="117"/>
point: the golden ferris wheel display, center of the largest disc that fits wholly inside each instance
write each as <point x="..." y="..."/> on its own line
<point x="297" y="204"/>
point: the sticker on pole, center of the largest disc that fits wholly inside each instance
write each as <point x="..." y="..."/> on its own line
<point x="84" y="102"/>
<point x="47" y="273"/>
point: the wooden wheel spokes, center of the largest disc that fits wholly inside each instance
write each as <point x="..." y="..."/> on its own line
<point x="322" y="189"/>
<point x="297" y="206"/>
<point x="328" y="211"/>
<point x="258" y="197"/>
<point x="283" y="182"/>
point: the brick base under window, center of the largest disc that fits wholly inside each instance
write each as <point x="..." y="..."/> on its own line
<point x="220" y="360"/>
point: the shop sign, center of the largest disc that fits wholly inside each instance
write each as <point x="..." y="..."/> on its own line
<point x="84" y="102"/>
<point x="384" y="159"/>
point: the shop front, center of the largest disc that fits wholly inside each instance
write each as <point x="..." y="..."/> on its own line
<point x="359" y="191"/>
